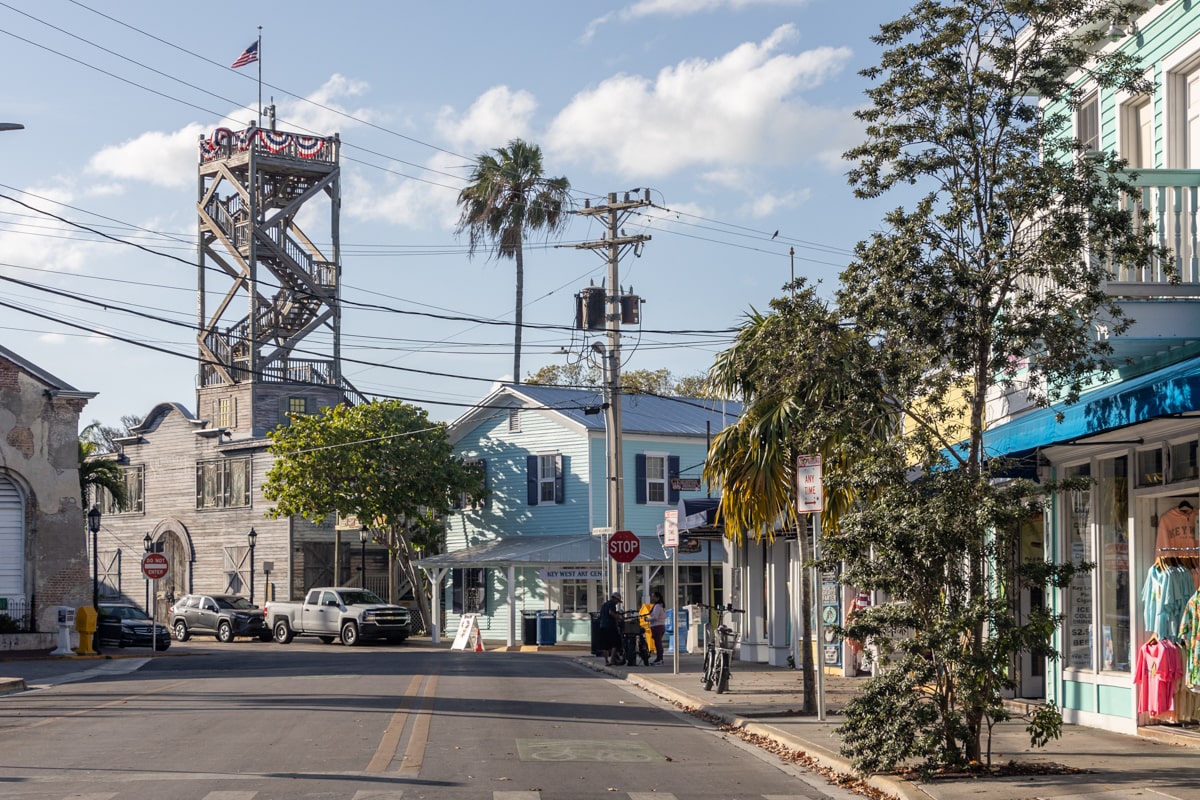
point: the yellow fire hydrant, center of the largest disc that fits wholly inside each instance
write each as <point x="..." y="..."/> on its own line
<point x="85" y="623"/>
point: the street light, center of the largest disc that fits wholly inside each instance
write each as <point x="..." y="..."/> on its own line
<point x="252" y="537"/>
<point x="362" y="538"/>
<point x="93" y="523"/>
<point x="147" y="544"/>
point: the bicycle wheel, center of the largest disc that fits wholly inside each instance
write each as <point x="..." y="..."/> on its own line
<point x="723" y="673"/>
<point x="707" y="677"/>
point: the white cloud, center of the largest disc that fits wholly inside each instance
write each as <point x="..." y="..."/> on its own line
<point x="677" y="8"/>
<point x="163" y="159"/>
<point x="46" y="243"/>
<point x="496" y="117"/>
<point x="324" y="112"/>
<point x="740" y="109"/>
<point x="768" y="203"/>
<point x="406" y="202"/>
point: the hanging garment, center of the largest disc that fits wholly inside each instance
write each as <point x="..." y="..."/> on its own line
<point x="1176" y="531"/>
<point x="1158" y="669"/>
<point x="1164" y="597"/>
<point x="1189" y="631"/>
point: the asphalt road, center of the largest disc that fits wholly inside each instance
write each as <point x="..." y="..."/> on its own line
<point x="255" y="721"/>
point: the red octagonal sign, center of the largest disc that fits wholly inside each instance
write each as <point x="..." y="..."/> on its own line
<point x="624" y="546"/>
<point x="155" y="566"/>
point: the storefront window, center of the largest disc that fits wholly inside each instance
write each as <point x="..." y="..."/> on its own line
<point x="1112" y="493"/>
<point x="1183" y="461"/>
<point x="1150" y="467"/>
<point x="1077" y="512"/>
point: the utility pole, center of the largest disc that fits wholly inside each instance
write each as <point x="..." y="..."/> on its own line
<point x="613" y="246"/>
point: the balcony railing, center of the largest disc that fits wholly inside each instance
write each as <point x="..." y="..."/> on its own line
<point x="1172" y="199"/>
<point x="225" y="143"/>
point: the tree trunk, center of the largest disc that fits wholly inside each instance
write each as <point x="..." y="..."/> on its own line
<point x="519" y="314"/>
<point x="404" y="557"/>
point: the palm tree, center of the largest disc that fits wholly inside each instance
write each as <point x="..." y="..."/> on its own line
<point x="795" y="373"/>
<point x="508" y="198"/>
<point x="98" y="473"/>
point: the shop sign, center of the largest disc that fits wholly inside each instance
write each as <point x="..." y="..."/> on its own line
<point x="571" y="574"/>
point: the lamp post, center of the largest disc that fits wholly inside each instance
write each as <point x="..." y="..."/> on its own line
<point x="267" y="566"/>
<point x="93" y="523"/>
<point x="252" y="537"/>
<point x="147" y="543"/>
<point x="362" y="538"/>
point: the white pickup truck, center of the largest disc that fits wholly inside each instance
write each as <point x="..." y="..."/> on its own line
<point x="345" y="613"/>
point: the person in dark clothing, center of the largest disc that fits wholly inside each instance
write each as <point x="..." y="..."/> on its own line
<point x="610" y="630"/>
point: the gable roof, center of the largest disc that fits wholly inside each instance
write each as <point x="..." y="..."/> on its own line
<point x="640" y="413"/>
<point x="51" y="382"/>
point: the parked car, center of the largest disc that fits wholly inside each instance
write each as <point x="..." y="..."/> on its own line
<point x="224" y="616"/>
<point x="128" y="626"/>
<point x="336" y="612"/>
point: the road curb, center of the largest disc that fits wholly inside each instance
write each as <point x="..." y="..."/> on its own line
<point x="11" y="685"/>
<point x="826" y="759"/>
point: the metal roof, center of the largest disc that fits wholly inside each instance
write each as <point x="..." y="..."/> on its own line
<point x="640" y="413"/>
<point x="563" y="550"/>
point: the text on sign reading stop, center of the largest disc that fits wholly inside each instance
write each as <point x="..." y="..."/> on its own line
<point x="624" y="546"/>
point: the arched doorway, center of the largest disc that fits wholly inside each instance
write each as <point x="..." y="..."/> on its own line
<point x="171" y="539"/>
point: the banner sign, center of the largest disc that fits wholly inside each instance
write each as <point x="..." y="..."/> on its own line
<point x="810" y="498"/>
<point x="671" y="528"/>
<point x="571" y="574"/>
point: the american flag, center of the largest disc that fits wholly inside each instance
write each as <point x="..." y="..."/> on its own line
<point x="248" y="56"/>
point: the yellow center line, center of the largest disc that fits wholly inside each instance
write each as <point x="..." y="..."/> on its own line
<point x="395" y="729"/>
<point x="414" y="754"/>
<point x="83" y="711"/>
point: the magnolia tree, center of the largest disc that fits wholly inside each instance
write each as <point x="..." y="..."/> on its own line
<point x="384" y="463"/>
<point x="1000" y="260"/>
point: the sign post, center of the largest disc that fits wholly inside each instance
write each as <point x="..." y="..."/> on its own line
<point x="154" y="567"/>
<point x="810" y="499"/>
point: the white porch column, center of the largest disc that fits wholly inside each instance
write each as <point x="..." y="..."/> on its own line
<point x="754" y="642"/>
<point x="777" y="604"/>
<point x="435" y="605"/>
<point x="512" y="605"/>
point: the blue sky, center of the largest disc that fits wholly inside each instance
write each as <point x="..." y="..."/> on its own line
<point x="733" y="112"/>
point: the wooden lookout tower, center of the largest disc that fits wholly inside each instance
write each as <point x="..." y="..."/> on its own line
<point x="268" y="294"/>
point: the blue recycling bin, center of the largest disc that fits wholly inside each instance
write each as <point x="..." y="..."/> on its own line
<point x="547" y="627"/>
<point x="683" y="629"/>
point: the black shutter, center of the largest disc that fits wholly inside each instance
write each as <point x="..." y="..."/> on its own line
<point x="672" y="472"/>
<point x="639" y="478"/>
<point x="531" y="478"/>
<point x="456" y="591"/>
<point x="559" y="494"/>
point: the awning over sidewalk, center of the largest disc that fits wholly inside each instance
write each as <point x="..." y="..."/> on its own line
<point x="527" y="551"/>
<point x="1164" y="392"/>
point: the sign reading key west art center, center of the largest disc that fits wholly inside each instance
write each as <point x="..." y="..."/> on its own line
<point x="571" y="574"/>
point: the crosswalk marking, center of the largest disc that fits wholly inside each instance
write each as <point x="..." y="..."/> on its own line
<point x="221" y="795"/>
<point x="375" y="794"/>
<point x="651" y="796"/>
<point x="516" y="795"/>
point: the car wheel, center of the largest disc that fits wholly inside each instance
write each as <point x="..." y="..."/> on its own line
<point x="181" y="631"/>
<point x="350" y="634"/>
<point x="224" y="632"/>
<point x="283" y="632"/>
<point x="327" y="639"/>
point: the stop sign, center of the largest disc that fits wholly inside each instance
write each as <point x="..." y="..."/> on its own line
<point x="155" y="566"/>
<point x="624" y="546"/>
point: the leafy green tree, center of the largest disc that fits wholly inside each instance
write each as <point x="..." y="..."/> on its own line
<point x="796" y="372"/>
<point x="635" y="381"/>
<point x="996" y="271"/>
<point x="507" y="199"/>
<point x="105" y="436"/>
<point x="384" y="463"/>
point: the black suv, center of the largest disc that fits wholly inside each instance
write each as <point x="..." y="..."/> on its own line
<point x="222" y="615"/>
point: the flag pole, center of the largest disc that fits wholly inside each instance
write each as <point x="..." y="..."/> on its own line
<point x="259" y="124"/>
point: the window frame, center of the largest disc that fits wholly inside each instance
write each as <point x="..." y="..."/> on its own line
<point x="1087" y="122"/>
<point x="215" y="483"/>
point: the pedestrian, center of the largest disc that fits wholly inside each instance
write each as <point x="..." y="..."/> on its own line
<point x="610" y="628"/>
<point x="658" y="624"/>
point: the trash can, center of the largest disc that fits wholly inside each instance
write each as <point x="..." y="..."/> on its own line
<point x="547" y="627"/>
<point x="595" y="630"/>
<point x="529" y="627"/>
<point x="672" y="629"/>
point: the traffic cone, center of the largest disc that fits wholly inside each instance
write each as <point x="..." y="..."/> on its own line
<point x="478" y="641"/>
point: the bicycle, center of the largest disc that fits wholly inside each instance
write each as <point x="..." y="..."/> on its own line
<point x="633" y="641"/>
<point x="718" y="648"/>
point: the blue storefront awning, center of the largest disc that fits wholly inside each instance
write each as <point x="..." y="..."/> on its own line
<point x="1165" y="392"/>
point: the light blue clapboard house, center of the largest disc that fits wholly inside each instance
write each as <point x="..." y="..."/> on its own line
<point x="530" y="547"/>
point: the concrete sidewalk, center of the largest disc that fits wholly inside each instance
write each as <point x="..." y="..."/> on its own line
<point x="763" y="700"/>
